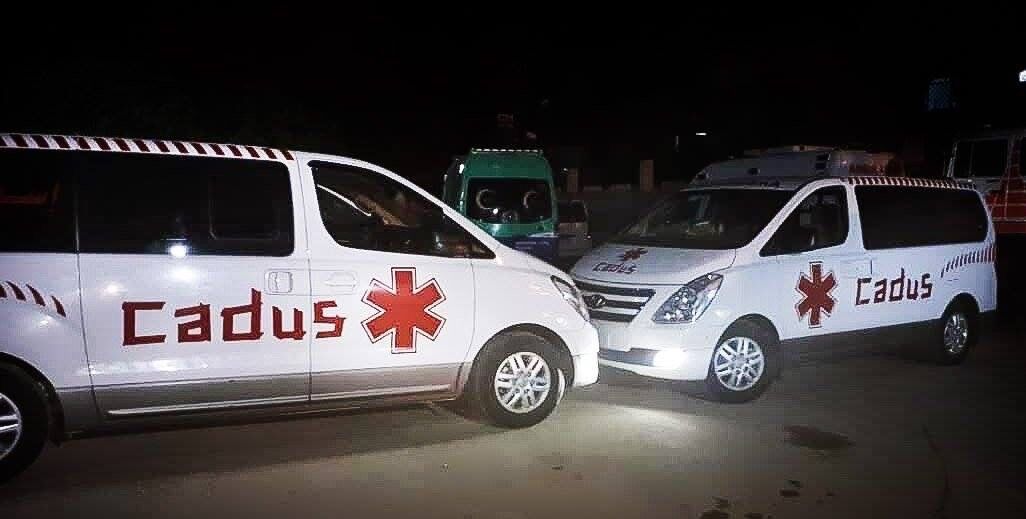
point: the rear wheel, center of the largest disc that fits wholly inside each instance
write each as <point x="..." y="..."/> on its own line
<point x="517" y="381"/>
<point x="956" y="335"/>
<point x="24" y="421"/>
<point x="743" y="363"/>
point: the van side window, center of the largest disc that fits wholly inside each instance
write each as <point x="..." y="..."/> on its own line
<point x="820" y="221"/>
<point x="895" y="217"/>
<point x="36" y="202"/>
<point x="139" y="204"/>
<point x="362" y="209"/>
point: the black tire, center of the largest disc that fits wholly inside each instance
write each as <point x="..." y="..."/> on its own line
<point x="767" y="343"/>
<point x="480" y="393"/>
<point x="939" y="352"/>
<point x="30" y="399"/>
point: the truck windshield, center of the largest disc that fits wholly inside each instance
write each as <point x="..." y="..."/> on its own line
<point x="509" y="200"/>
<point x="706" y="219"/>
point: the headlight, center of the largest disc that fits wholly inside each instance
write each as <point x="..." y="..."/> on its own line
<point x="572" y="296"/>
<point x="687" y="304"/>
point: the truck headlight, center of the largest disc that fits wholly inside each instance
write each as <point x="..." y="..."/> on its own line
<point x="572" y="296"/>
<point x="687" y="304"/>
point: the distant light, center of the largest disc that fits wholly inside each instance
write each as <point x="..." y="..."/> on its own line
<point x="701" y="134"/>
<point x="112" y="289"/>
<point x="178" y="250"/>
<point x="1022" y="77"/>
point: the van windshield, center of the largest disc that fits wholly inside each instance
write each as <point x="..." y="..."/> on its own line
<point x="509" y="200"/>
<point x="706" y="219"/>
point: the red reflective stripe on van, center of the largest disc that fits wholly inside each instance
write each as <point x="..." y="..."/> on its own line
<point x="162" y="147"/>
<point x="141" y="144"/>
<point x="217" y="149"/>
<point x="288" y="156"/>
<point x="252" y="152"/>
<point x="181" y="147"/>
<point x="36" y="296"/>
<point x="199" y="148"/>
<point x="83" y="143"/>
<point x="61" y="142"/>
<point x="40" y="141"/>
<point x="19" y="141"/>
<point x="270" y="153"/>
<point x="234" y="149"/>
<point x="102" y="143"/>
<point x="59" y="306"/>
<point x="122" y="145"/>
<point x="16" y="291"/>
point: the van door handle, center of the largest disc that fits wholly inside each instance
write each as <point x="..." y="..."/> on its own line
<point x="279" y="282"/>
<point x="345" y="281"/>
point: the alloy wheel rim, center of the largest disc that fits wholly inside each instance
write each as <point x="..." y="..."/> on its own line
<point x="10" y="425"/>
<point x="739" y="363"/>
<point x="956" y="333"/>
<point x="522" y="382"/>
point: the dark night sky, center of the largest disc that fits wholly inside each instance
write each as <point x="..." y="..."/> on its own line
<point x="408" y="93"/>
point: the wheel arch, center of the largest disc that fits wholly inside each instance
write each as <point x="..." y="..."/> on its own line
<point x="565" y="358"/>
<point x="760" y="320"/>
<point x="966" y="298"/>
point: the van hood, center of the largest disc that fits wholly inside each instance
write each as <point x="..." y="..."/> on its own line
<point x="617" y="263"/>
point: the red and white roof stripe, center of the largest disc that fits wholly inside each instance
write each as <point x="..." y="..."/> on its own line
<point x="119" y="144"/>
<point x="906" y="182"/>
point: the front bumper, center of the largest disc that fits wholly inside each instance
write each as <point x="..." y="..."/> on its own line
<point x="585" y="369"/>
<point x="585" y="345"/>
<point x="632" y="347"/>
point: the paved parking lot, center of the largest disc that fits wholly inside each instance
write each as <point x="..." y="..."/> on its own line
<point x="841" y="436"/>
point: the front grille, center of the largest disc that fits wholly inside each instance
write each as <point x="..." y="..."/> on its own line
<point x="616" y="304"/>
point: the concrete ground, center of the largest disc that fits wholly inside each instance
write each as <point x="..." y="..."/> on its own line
<point x="841" y="436"/>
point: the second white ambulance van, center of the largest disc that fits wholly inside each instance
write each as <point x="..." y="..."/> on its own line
<point x="715" y="282"/>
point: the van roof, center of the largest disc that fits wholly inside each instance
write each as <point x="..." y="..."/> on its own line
<point x="129" y="145"/>
<point x="507" y="164"/>
<point x="795" y="183"/>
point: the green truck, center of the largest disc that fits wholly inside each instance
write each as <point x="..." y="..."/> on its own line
<point x="509" y="194"/>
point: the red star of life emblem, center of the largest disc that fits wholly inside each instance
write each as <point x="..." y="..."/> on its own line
<point x="816" y="299"/>
<point x="632" y="254"/>
<point x="404" y="310"/>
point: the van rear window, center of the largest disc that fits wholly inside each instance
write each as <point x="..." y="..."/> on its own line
<point x="895" y="217"/>
<point x="36" y="202"/>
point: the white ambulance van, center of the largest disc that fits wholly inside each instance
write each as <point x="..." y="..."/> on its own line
<point x="716" y="282"/>
<point x="795" y="161"/>
<point x="157" y="282"/>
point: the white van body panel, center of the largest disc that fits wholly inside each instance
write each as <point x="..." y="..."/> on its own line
<point x="53" y="321"/>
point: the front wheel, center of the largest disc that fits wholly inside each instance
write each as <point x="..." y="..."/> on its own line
<point x="517" y="381"/>
<point x="743" y="363"/>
